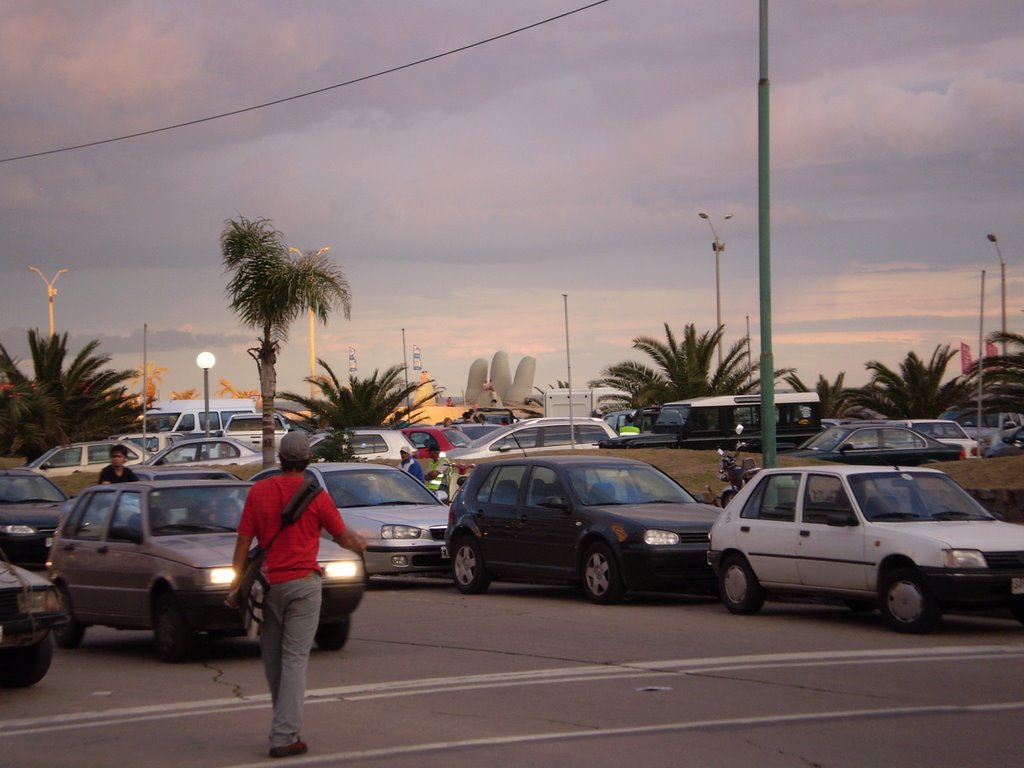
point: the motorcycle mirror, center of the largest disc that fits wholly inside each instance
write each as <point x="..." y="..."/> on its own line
<point x="739" y="429"/>
<point x="721" y="452"/>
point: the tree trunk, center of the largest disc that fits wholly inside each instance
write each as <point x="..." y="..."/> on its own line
<point x="267" y="366"/>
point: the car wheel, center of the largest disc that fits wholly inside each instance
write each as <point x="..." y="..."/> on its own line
<point x="27" y="665"/>
<point x="468" y="569"/>
<point x="174" y="639"/>
<point x="71" y="634"/>
<point x="739" y="588"/>
<point x="907" y="604"/>
<point x="602" y="579"/>
<point x="332" y="637"/>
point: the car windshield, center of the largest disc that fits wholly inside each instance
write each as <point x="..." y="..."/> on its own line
<point x="457" y="438"/>
<point x="625" y="484"/>
<point x="196" y="509"/>
<point x="827" y="440"/>
<point x="22" y="489"/>
<point x="375" y="488"/>
<point x="907" y="497"/>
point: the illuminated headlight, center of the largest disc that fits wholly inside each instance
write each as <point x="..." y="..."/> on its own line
<point x="657" y="538"/>
<point x="400" y="532"/>
<point x="963" y="558"/>
<point x="340" y="569"/>
<point x="18" y="530"/>
<point x="220" y="576"/>
<point x="38" y="601"/>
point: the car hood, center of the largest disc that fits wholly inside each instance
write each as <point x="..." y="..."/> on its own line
<point x="45" y="513"/>
<point x="985" y="535"/>
<point x="420" y="515"/>
<point x="13" y="576"/>
<point x="659" y="514"/>
<point x="215" y="550"/>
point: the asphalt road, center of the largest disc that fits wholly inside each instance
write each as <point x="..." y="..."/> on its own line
<point x="536" y="676"/>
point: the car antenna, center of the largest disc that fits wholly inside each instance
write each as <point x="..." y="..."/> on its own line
<point x="518" y="444"/>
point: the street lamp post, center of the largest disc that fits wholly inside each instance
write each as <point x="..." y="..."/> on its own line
<point x="312" y="319"/>
<point x="205" y="360"/>
<point x="50" y="290"/>
<point x="717" y="246"/>
<point x="1002" y="282"/>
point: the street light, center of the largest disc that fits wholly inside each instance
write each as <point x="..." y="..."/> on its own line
<point x="1002" y="280"/>
<point x="312" y="343"/>
<point x="717" y="246"/>
<point x="50" y="290"/>
<point x="205" y="360"/>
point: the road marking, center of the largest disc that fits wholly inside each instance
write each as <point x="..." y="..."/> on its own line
<point x="583" y="673"/>
<point x="694" y="725"/>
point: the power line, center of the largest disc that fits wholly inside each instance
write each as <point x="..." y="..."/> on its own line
<point x="286" y="99"/>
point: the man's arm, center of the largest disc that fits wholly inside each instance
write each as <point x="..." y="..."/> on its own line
<point x="351" y="540"/>
<point x="237" y="564"/>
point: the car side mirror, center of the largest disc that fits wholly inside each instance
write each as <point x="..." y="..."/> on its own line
<point x="555" y="502"/>
<point x="441" y="494"/>
<point x="845" y="447"/>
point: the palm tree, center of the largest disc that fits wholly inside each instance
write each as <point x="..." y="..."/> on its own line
<point x="61" y="403"/>
<point x="269" y="290"/>
<point x="1003" y="378"/>
<point x="377" y="401"/>
<point x="916" y="391"/>
<point x="154" y="376"/>
<point x="834" y="397"/>
<point x="683" y="369"/>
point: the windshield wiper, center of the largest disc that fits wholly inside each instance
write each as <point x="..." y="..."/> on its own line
<point x="953" y="514"/>
<point x="894" y="516"/>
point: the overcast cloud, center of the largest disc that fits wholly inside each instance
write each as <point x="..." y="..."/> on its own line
<point x="464" y="196"/>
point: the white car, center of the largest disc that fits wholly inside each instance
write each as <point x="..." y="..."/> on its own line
<point x="83" y="457"/>
<point x="909" y="541"/>
<point x="370" y="444"/>
<point x="206" y="451"/>
<point x="534" y="435"/>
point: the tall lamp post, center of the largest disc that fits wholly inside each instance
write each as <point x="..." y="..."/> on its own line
<point x="205" y="360"/>
<point x="312" y="320"/>
<point x="717" y="246"/>
<point x="51" y="291"/>
<point x="1002" y="281"/>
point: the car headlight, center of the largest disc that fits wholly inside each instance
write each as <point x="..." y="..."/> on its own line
<point x="657" y="538"/>
<point x="220" y="576"/>
<point x="38" y="601"/>
<point x="400" y="532"/>
<point x="340" y="569"/>
<point x="18" y="530"/>
<point x="963" y="558"/>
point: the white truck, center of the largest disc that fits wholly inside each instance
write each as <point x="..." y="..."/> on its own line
<point x="189" y="416"/>
<point x="585" y="402"/>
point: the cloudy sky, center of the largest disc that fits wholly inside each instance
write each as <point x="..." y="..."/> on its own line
<point x="464" y="196"/>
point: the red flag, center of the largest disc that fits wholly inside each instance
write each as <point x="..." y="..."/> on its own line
<point x="990" y="349"/>
<point x="965" y="357"/>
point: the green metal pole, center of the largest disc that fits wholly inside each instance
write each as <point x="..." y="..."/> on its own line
<point x="768" y="448"/>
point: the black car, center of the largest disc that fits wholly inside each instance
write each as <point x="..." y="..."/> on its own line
<point x="875" y="444"/>
<point x="29" y="512"/>
<point x="30" y="609"/>
<point x="611" y="525"/>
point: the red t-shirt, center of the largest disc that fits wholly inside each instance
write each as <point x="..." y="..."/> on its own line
<point x="294" y="551"/>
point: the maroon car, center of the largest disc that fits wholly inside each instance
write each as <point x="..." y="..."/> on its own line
<point x="445" y="437"/>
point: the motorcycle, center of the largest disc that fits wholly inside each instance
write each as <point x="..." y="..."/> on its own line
<point x="734" y="471"/>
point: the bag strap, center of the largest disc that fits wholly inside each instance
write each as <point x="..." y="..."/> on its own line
<point x="297" y="504"/>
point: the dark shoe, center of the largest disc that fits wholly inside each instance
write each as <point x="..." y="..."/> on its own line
<point x="293" y="749"/>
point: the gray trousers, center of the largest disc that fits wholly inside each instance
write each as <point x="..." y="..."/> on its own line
<point x="291" y="613"/>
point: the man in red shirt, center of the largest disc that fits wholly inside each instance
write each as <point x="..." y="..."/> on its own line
<point x="291" y="607"/>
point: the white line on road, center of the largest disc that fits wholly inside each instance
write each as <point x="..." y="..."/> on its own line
<point x="637" y="669"/>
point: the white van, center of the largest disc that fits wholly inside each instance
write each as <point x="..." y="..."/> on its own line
<point x="190" y="415"/>
<point x="248" y="427"/>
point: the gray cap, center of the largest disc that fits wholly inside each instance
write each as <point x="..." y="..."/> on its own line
<point x="404" y="449"/>
<point x="294" y="447"/>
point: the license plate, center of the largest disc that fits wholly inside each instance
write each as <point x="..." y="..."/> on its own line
<point x="1017" y="585"/>
<point x="444" y="552"/>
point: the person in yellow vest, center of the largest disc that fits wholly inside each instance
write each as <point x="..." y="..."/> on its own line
<point x="628" y="427"/>
<point x="434" y="478"/>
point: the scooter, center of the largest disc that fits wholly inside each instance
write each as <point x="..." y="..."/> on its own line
<point x="734" y="471"/>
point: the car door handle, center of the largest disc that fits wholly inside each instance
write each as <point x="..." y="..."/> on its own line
<point x="102" y="549"/>
<point x="805" y="534"/>
<point x="744" y="529"/>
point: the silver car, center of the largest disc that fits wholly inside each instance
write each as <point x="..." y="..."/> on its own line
<point x="206" y="451"/>
<point x="157" y="555"/>
<point x="403" y="523"/>
<point x="83" y="457"/>
<point x="532" y="436"/>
